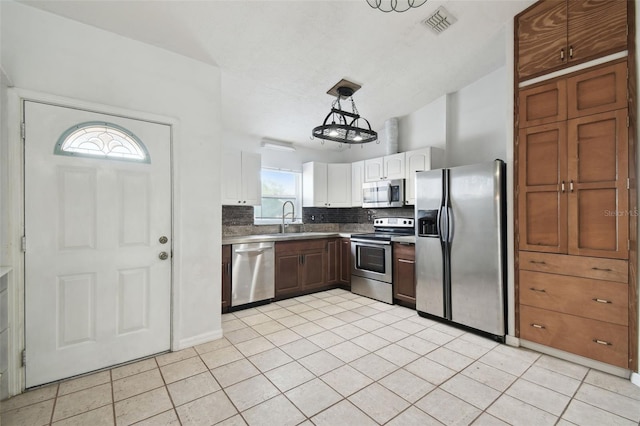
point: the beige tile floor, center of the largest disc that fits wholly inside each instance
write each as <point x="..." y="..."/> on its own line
<point x="335" y="358"/>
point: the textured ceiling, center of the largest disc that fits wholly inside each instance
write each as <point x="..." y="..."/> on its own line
<point x="278" y="58"/>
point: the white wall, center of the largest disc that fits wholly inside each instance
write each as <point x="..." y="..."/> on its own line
<point x="475" y="121"/>
<point x="284" y="160"/>
<point x="424" y="127"/>
<point x="46" y="53"/>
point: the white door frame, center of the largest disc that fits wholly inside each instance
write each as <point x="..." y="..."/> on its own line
<point x="15" y="209"/>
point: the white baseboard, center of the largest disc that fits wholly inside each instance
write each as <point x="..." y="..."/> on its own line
<point x="199" y="339"/>
<point x="635" y="379"/>
<point x="512" y="341"/>
<point x="577" y="359"/>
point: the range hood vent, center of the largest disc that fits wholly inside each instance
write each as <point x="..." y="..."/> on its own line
<point x="440" y="20"/>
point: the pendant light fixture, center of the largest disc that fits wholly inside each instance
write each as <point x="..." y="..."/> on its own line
<point x="395" y="5"/>
<point x="344" y="126"/>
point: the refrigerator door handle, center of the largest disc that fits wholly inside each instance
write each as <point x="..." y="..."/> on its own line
<point x="439" y="224"/>
<point x="450" y="225"/>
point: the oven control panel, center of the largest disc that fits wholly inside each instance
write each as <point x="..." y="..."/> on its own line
<point x="393" y="222"/>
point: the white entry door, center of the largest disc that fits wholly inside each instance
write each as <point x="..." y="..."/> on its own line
<point x="97" y="218"/>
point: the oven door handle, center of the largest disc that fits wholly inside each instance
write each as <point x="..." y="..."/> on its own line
<point x="371" y="242"/>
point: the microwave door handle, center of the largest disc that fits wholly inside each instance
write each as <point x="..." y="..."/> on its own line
<point x="389" y="193"/>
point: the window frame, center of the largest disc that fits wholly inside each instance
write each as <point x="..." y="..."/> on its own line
<point x="297" y="199"/>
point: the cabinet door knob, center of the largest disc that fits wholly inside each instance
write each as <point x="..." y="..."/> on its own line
<point x="595" y="299"/>
<point x="602" y="342"/>
<point x="537" y="326"/>
<point x="562" y="54"/>
<point x="570" y="52"/>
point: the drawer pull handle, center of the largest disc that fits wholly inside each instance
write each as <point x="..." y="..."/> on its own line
<point x="601" y="269"/>
<point x="540" y="290"/>
<point x="540" y="326"/>
<point x="602" y="342"/>
<point x="595" y="299"/>
<point x="538" y="262"/>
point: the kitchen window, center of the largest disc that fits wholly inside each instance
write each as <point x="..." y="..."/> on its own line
<point x="278" y="187"/>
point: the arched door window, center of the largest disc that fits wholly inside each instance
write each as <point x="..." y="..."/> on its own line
<point x="102" y="140"/>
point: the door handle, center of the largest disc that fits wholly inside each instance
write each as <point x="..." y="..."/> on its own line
<point x="163" y="240"/>
<point x="163" y="255"/>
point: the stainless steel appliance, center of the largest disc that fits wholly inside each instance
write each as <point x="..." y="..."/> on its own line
<point x="384" y="193"/>
<point x="253" y="274"/>
<point x="460" y="246"/>
<point x="371" y="254"/>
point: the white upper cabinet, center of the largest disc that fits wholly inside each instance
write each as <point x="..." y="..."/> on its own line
<point x="326" y="185"/>
<point x="357" y="179"/>
<point x="241" y="173"/>
<point x="387" y="167"/>
<point x="394" y="166"/>
<point x="417" y="161"/>
<point x="374" y="169"/>
<point x="339" y="185"/>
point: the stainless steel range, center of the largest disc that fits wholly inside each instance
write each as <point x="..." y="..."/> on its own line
<point x="371" y="270"/>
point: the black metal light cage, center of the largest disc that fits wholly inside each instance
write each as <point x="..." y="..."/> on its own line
<point x="344" y="125"/>
<point x="395" y="5"/>
<point x="346" y="133"/>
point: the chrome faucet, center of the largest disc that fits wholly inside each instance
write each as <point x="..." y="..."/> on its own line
<point x="292" y="213"/>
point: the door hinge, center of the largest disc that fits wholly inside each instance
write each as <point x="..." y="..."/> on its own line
<point x="23" y="243"/>
<point x="628" y="245"/>
<point x="23" y="130"/>
<point x="23" y="360"/>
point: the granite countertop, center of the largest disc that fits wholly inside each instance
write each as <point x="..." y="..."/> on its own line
<point x="289" y="236"/>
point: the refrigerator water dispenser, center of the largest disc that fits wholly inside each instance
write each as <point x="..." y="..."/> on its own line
<point x="428" y="223"/>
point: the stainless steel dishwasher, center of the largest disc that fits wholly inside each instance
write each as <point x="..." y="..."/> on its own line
<point x="253" y="274"/>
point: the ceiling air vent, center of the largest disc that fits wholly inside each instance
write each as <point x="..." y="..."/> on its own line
<point x="440" y="20"/>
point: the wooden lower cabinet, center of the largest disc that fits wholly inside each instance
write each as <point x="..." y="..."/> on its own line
<point x="226" y="277"/>
<point x="577" y="304"/>
<point x="333" y="260"/>
<point x="404" y="273"/>
<point x="301" y="266"/>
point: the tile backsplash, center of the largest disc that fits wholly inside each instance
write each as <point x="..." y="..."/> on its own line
<point x="238" y="220"/>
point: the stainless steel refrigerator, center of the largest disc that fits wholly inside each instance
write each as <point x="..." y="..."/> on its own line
<point x="461" y="246"/>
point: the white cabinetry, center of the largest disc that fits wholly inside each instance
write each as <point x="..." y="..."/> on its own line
<point x="420" y="160"/>
<point x="326" y="185"/>
<point x="387" y="167"/>
<point x="357" y="179"/>
<point x="241" y="183"/>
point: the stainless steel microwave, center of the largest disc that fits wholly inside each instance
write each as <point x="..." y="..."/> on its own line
<point x="384" y="193"/>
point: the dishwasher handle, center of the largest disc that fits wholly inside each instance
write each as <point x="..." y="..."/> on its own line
<point x="258" y="251"/>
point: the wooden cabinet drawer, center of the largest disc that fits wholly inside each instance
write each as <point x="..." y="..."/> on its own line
<point x="593" y="339"/>
<point x="584" y="297"/>
<point x="580" y="266"/>
<point x="300" y="245"/>
<point x="600" y="90"/>
<point x="404" y="250"/>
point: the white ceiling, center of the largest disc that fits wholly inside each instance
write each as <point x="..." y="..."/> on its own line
<point x="279" y="58"/>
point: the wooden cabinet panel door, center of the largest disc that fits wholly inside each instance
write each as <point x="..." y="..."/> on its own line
<point x="598" y="194"/>
<point x="226" y="276"/>
<point x="404" y="273"/>
<point x="287" y="278"/>
<point x="312" y="273"/>
<point x="542" y="201"/>
<point x="596" y="28"/>
<point x="543" y="104"/>
<point x="345" y="261"/>
<point x="333" y="261"/>
<point x="542" y="38"/>
<point x="600" y="90"/>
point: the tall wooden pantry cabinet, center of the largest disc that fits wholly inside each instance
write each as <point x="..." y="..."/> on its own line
<point x="575" y="178"/>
